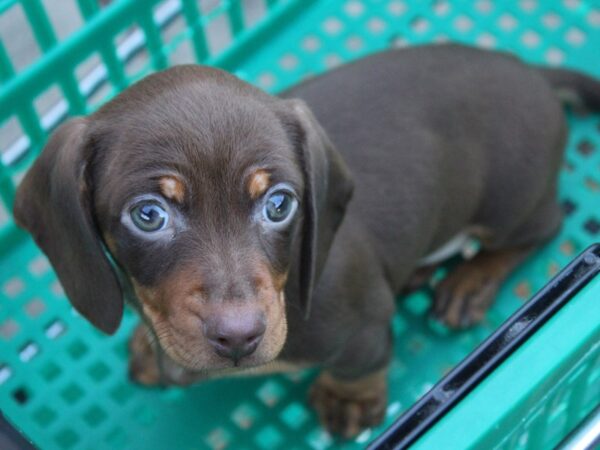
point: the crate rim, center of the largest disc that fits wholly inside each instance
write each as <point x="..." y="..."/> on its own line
<point x="492" y="352"/>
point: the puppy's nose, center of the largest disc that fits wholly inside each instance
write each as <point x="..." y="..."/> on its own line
<point x="235" y="336"/>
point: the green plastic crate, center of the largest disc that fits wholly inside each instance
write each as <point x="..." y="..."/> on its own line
<point x="64" y="385"/>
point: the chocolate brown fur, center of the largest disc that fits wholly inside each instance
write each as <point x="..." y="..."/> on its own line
<point x="432" y="141"/>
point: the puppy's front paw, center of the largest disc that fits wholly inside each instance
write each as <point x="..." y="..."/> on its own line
<point x="464" y="296"/>
<point x="143" y="362"/>
<point x="347" y="407"/>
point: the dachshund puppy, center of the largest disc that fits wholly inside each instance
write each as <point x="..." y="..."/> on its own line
<point x="256" y="233"/>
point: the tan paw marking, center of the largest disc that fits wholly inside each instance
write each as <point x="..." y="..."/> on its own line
<point x="347" y="407"/>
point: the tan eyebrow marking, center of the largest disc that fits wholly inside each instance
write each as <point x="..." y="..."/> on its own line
<point x="172" y="188"/>
<point x="258" y="183"/>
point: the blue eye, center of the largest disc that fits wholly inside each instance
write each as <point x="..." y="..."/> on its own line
<point x="279" y="205"/>
<point x="148" y="216"/>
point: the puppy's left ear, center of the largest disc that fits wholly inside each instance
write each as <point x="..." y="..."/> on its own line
<point x="54" y="203"/>
<point x="328" y="188"/>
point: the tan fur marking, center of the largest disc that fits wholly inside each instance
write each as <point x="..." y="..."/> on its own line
<point x="464" y="296"/>
<point x="150" y="297"/>
<point x="363" y="387"/>
<point x="110" y="242"/>
<point x="258" y="183"/>
<point x="269" y="278"/>
<point x="276" y="366"/>
<point x="143" y="362"/>
<point x="347" y="406"/>
<point x="279" y="281"/>
<point x="172" y="188"/>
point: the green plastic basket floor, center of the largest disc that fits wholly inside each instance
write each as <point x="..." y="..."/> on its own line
<point x="65" y="385"/>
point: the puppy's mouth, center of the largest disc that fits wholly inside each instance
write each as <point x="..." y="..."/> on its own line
<point x="198" y="356"/>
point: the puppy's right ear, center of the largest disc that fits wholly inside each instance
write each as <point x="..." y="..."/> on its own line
<point x="54" y="203"/>
<point x="328" y="189"/>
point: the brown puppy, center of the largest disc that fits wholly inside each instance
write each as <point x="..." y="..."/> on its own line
<point x="222" y="208"/>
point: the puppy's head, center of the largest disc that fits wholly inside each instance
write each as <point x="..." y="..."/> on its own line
<point x="217" y="201"/>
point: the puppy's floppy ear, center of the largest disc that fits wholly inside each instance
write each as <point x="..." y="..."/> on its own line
<point x="54" y="204"/>
<point x="328" y="188"/>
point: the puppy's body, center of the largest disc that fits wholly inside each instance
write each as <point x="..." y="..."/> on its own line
<point x="441" y="140"/>
<point x="438" y="141"/>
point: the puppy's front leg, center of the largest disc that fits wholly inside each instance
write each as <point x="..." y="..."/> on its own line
<point x="143" y="360"/>
<point x="351" y="393"/>
<point x="346" y="406"/>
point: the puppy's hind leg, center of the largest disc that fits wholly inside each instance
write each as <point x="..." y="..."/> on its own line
<point x="465" y="295"/>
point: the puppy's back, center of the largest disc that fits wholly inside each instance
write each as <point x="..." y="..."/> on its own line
<point x="436" y="134"/>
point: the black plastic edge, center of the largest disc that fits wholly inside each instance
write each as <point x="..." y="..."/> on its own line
<point x="10" y="438"/>
<point x="491" y="353"/>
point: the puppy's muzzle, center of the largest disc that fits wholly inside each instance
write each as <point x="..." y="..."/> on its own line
<point x="234" y="335"/>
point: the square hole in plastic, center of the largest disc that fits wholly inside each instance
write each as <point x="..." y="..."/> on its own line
<point x="71" y="393"/>
<point x="44" y="416"/>
<point x="98" y="371"/>
<point x="50" y="371"/>
<point x="77" y="349"/>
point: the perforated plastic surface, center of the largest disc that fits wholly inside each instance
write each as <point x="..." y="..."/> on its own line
<point x="65" y="385"/>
